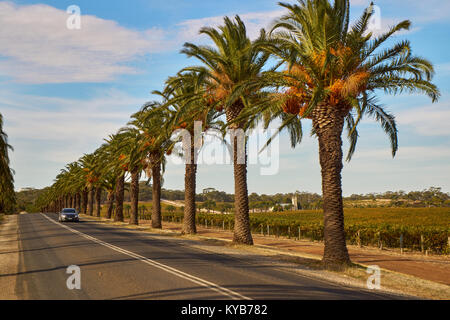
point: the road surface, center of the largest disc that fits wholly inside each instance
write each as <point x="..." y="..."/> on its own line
<point x="117" y="263"/>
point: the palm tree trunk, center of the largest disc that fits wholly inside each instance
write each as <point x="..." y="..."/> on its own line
<point x="156" y="192"/>
<point x="98" y="199"/>
<point x="85" y="200"/>
<point x="120" y="190"/>
<point x="328" y="123"/>
<point x="91" y="201"/>
<point x="189" y="226"/>
<point x="110" y="204"/>
<point x="78" y="201"/>
<point x="242" y="233"/>
<point x="134" y="196"/>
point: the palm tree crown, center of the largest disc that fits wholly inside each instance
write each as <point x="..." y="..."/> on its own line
<point x="332" y="73"/>
<point x="235" y="78"/>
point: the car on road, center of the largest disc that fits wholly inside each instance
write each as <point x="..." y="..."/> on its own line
<point x="68" y="214"/>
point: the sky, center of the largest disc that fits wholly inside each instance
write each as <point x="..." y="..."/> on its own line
<point x="62" y="91"/>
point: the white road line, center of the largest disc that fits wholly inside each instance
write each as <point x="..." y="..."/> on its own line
<point x="229" y="293"/>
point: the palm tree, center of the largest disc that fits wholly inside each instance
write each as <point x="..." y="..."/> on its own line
<point x="7" y="195"/>
<point x="109" y="174"/>
<point x="134" y="159"/>
<point x="109" y="184"/>
<point x="186" y="101"/>
<point x="331" y="77"/>
<point x="155" y="142"/>
<point x="65" y="190"/>
<point x="234" y="66"/>
<point x="116" y="149"/>
<point x="89" y="163"/>
<point x="73" y="183"/>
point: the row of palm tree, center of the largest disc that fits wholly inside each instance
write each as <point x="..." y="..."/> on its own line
<point x="7" y="195"/>
<point x="311" y="65"/>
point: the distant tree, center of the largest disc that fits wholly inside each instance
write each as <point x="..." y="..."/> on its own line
<point x="7" y="194"/>
<point x="127" y="208"/>
<point x="209" y="205"/>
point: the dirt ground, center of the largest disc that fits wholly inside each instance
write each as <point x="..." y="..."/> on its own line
<point x="433" y="268"/>
<point x="9" y="257"/>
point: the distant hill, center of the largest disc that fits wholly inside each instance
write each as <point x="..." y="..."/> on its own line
<point x="26" y="198"/>
<point x="432" y="197"/>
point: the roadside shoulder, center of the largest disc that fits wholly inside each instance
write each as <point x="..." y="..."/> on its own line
<point x="9" y="252"/>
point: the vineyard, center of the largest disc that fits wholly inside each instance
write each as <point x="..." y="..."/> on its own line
<point x="413" y="229"/>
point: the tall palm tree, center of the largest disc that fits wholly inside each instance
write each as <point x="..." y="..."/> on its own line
<point x="109" y="185"/>
<point x="116" y="149"/>
<point x="63" y="186"/>
<point x="7" y="195"/>
<point x="89" y="164"/>
<point x="186" y="96"/>
<point x="134" y="159"/>
<point x="108" y="174"/>
<point x="234" y="66"/>
<point x="332" y="74"/>
<point x="73" y="180"/>
<point x="152" y="122"/>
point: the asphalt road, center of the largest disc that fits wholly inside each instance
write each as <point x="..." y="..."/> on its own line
<point x="125" y="264"/>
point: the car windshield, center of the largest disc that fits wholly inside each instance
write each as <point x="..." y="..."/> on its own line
<point x="68" y="211"/>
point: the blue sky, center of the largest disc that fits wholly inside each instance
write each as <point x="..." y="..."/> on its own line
<point x="62" y="91"/>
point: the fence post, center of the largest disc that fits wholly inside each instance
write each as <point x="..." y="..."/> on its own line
<point x="262" y="230"/>
<point x="289" y="232"/>
<point x="359" y="239"/>
<point x="380" y="241"/>
<point x="223" y="224"/>
<point x="268" y="230"/>
<point x="401" y="243"/>
<point x="299" y="233"/>
<point x="422" y="249"/>
<point x="206" y="223"/>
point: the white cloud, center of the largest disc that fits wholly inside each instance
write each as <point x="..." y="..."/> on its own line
<point x="37" y="47"/>
<point x="254" y="21"/>
<point x="426" y="11"/>
<point x="48" y="132"/>
<point x="63" y="119"/>
<point x="430" y="120"/>
<point x="359" y="2"/>
<point x="40" y="48"/>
